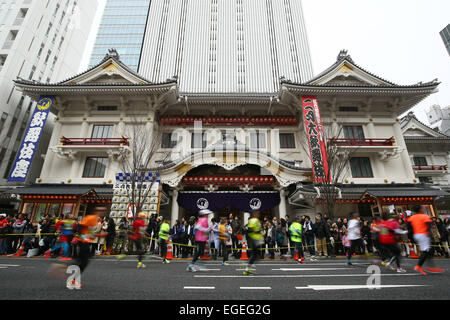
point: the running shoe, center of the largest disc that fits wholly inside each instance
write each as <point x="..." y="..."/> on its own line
<point x="419" y="269"/>
<point x="383" y="263"/>
<point x="141" y="265"/>
<point x="65" y="259"/>
<point x="47" y="254"/>
<point x="191" y="268"/>
<point x="388" y="265"/>
<point x="225" y="264"/>
<point x="74" y="285"/>
<point x="349" y="263"/>
<point x="121" y="256"/>
<point x="165" y="261"/>
<point x="300" y="261"/>
<point x="401" y="270"/>
<point x="434" y="270"/>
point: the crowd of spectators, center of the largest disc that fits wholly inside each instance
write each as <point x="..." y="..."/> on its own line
<point x="322" y="236"/>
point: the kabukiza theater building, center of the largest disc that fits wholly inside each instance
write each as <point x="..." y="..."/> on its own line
<point x="230" y="152"/>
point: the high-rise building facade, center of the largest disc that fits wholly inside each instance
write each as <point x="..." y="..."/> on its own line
<point x="445" y="34"/>
<point x="122" y="28"/>
<point x="217" y="46"/>
<point x="41" y="41"/>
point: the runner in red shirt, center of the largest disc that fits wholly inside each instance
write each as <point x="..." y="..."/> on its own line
<point x="139" y="232"/>
<point x="389" y="228"/>
<point x="421" y="224"/>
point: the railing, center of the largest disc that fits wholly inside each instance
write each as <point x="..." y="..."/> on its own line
<point x="363" y="142"/>
<point x="431" y="168"/>
<point x="95" y="141"/>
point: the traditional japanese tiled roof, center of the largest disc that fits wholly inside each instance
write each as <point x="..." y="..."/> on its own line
<point x="356" y="191"/>
<point x="437" y="135"/>
<point x="345" y="57"/>
<point x="53" y="190"/>
<point x="111" y="56"/>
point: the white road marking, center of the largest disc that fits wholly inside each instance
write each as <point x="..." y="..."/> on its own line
<point x="200" y="288"/>
<point x="349" y="287"/>
<point x="9" y="265"/>
<point x="309" y="269"/>
<point x="255" y="288"/>
<point x="3" y="267"/>
<point x="303" y="276"/>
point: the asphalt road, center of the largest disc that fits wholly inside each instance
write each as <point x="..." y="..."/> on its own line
<point x="106" y="279"/>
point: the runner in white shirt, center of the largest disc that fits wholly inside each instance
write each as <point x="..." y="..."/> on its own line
<point x="354" y="235"/>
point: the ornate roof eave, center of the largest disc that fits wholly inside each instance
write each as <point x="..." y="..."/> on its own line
<point x="411" y="118"/>
<point x="342" y="59"/>
<point x="229" y="98"/>
<point x="412" y="94"/>
<point x="111" y="57"/>
<point x="35" y="90"/>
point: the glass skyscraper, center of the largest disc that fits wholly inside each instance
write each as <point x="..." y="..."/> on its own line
<point x="122" y="28"/>
<point x="445" y="34"/>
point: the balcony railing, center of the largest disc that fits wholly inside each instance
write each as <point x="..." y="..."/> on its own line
<point x="95" y="141"/>
<point x="431" y="168"/>
<point x="363" y="142"/>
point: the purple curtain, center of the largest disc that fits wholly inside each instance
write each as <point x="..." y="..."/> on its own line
<point x="215" y="201"/>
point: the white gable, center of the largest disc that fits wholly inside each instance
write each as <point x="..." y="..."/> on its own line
<point x="107" y="72"/>
<point x="348" y="74"/>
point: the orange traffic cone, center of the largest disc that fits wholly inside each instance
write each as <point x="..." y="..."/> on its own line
<point x="206" y="255"/>
<point x="20" y="251"/>
<point x="169" y="255"/>
<point x="244" y="251"/>
<point x="412" y="253"/>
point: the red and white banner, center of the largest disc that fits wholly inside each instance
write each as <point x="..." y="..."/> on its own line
<point x="316" y="139"/>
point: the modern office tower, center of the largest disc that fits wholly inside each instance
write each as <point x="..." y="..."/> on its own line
<point x="40" y="40"/>
<point x="439" y="118"/>
<point x="122" y="28"/>
<point x="445" y="34"/>
<point x="226" y="46"/>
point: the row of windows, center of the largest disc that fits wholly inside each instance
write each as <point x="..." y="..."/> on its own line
<point x="136" y="20"/>
<point x="116" y="40"/>
<point x="95" y="167"/>
<point x="257" y="140"/>
<point x="122" y="50"/>
<point x="111" y="30"/>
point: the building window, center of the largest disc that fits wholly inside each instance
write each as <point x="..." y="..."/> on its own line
<point x="3" y="120"/>
<point x="198" y="140"/>
<point x="102" y="132"/>
<point x="425" y="180"/>
<point x="353" y="132"/>
<point x="287" y="141"/>
<point x="169" y="140"/>
<point x="361" y="168"/>
<point x="257" y="140"/>
<point x="420" y="161"/>
<point x="107" y="108"/>
<point x="229" y="136"/>
<point x="95" y="168"/>
<point x="348" y="109"/>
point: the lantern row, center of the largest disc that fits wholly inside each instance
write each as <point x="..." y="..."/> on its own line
<point x="230" y="120"/>
<point x="228" y="180"/>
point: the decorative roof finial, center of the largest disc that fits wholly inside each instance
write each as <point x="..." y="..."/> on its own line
<point x="342" y="55"/>
<point x="112" y="53"/>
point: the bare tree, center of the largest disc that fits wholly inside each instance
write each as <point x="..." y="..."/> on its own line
<point x="338" y="169"/>
<point x="138" y="161"/>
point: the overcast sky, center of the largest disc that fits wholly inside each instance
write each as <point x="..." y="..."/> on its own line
<point x="397" y="40"/>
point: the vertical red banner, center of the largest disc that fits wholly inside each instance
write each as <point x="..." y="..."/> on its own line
<point x="316" y="139"/>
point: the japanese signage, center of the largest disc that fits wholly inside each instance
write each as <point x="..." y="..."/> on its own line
<point x="148" y="185"/>
<point x="30" y="141"/>
<point x="316" y="139"/>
